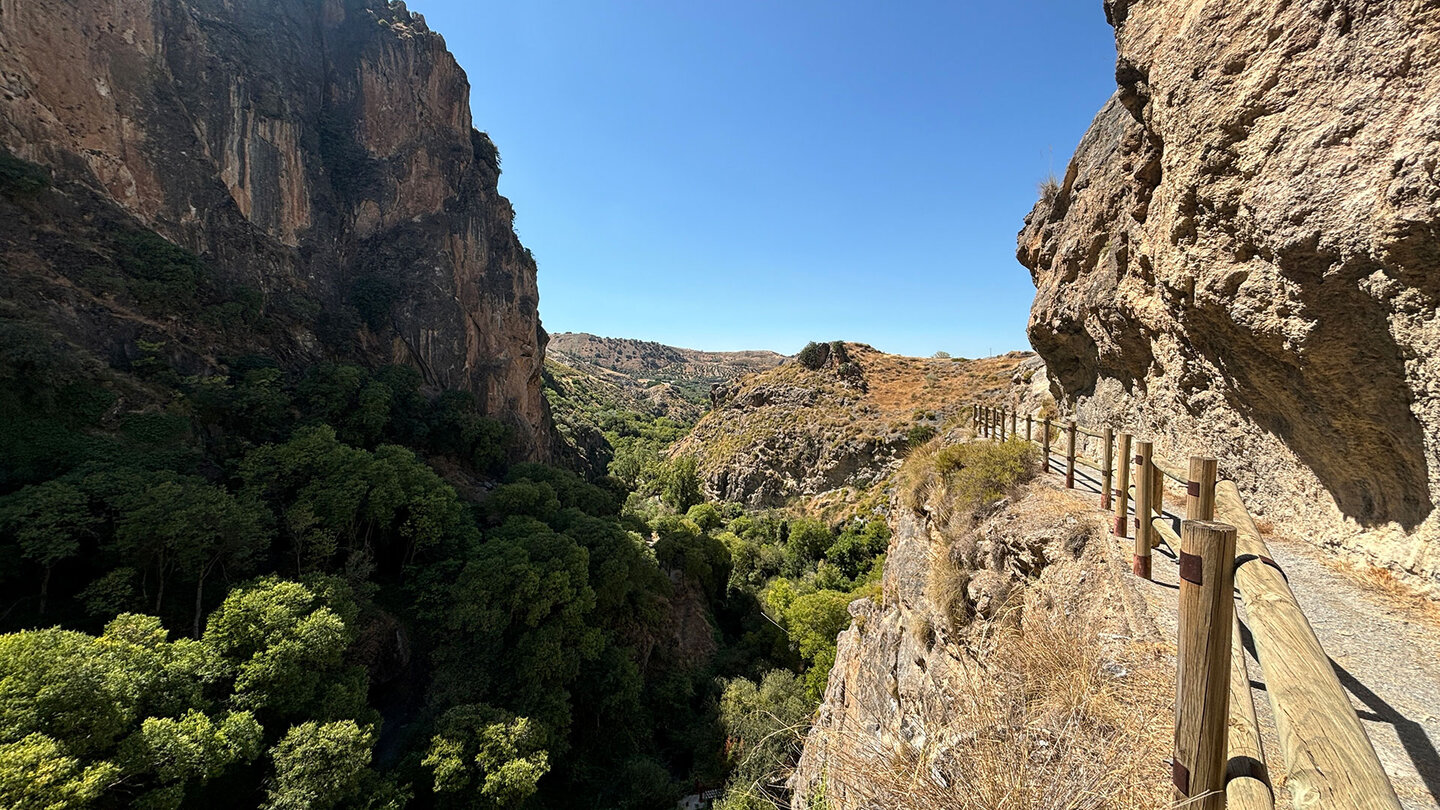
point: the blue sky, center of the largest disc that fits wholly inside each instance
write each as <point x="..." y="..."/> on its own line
<point x="756" y="175"/>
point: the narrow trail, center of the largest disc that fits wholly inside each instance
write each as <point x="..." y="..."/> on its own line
<point x="1383" y="643"/>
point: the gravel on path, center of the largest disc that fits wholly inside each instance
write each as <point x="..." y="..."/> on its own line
<point x="1383" y="641"/>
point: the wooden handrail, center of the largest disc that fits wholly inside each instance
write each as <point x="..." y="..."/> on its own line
<point x="1247" y="780"/>
<point x="1329" y="760"/>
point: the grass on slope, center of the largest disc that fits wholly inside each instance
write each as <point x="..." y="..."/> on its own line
<point x="784" y="413"/>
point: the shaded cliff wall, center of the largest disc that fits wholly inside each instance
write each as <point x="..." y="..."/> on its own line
<point x="1243" y="258"/>
<point x="318" y="152"/>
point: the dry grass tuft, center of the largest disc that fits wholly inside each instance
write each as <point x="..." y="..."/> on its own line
<point x="1383" y="582"/>
<point x="1050" y="714"/>
<point x="960" y="480"/>
<point x="945" y="589"/>
<point x="1048" y="189"/>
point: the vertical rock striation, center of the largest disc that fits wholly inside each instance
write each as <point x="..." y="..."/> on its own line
<point x="1243" y="258"/>
<point x="319" y="150"/>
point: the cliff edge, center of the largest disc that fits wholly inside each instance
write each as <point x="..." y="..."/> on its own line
<point x="317" y="158"/>
<point x="1243" y="259"/>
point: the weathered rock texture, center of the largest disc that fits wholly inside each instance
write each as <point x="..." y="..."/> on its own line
<point x="655" y="378"/>
<point x="793" y="431"/>
<point x="1243" y="258"/>
<point x="918" y="690"/>
<point x="320" y="153"/>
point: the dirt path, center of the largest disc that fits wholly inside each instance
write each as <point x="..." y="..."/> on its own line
<point x="1384" y="643"/>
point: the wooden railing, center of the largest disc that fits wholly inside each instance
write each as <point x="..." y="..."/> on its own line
<point x="1219" y="760"/>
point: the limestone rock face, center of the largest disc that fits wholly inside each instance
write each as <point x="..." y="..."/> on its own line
<point x="321" y="150"/>
<point x="1243" y="258"/>
<point x="903" y="665"/>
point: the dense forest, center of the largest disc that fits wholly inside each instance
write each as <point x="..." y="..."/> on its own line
<point x="331" y="586"/>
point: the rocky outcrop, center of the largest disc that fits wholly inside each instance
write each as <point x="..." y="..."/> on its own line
<point x="919" y="687"/>
<point x="1243" y="259"/>
<point x="319" y="155"/>
<point x="795" y="431"/>
<point x="654" y="378"/>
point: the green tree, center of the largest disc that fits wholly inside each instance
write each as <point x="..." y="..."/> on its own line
<point x="484" y="758"/>
<point x="857" y="547"/>
<point x="48" y="521"/>
<point x="123" y="711"/>
<point x="192" y="747"/>
<point x="805" y="543"/>
<point x="766" y="725"/>
<point x="37" y="774"/>
<point x="515" y="623"/>
<point x="187" y="525"/>
<point x="680" y="484"/>
<point x="814" y="621"/>
<point x="706" y="516"/>
<point x="319" y="765"/>
<point x="386" y="506"/>
<point x="281" y="651"/>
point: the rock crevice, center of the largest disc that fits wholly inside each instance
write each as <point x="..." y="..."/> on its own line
<point x="1242" y="259"/>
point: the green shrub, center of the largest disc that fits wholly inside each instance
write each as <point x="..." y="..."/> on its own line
<point x="966" y="476"/>
<point x="374" y="297"/>
<point x="919" y="434"/>
<point x="162" y="277"/>
<point x="21" y="176"/>
<point x="814" y="356"/>
<point x="978" y="473"/>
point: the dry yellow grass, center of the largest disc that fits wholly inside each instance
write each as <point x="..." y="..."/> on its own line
<point x="1051" y="714"/>
<point x="1384" y="583"/>
<point x="896" y="390"/>
<point x="898" y="385"/>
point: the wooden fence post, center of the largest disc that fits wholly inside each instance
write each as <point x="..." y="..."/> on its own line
<point x="1107" y="462"/>
<point x="1144" y="482"/>
<point x="1014" y="422"/>
<point x="1070" y="454"/>
<point x="1207" y="614"/>
<point x="1028" y="421"/>
<point x="1045" y="442"/>
<point x="1122" y="488"/>
<point x="1200" y="489"/>
<point x="1000" y="424"/>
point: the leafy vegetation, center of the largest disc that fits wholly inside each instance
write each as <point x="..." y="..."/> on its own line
<point x="21" y="176"/>
<point x="968" y="475"/>
<point x="332" y="587"/>
<point x="816" y="355"/>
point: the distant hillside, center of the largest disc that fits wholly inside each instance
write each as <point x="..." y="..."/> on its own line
<point x="843" y="425"/>
<point x="665" y="380"/>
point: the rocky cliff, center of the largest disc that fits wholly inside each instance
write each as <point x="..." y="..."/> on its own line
<point x="1010" y="659"/>
<point x="315" y="157"/>
<point x="1243" y="258"/>
<point x="797" y="431"/>
<point x="653" y="377"/>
